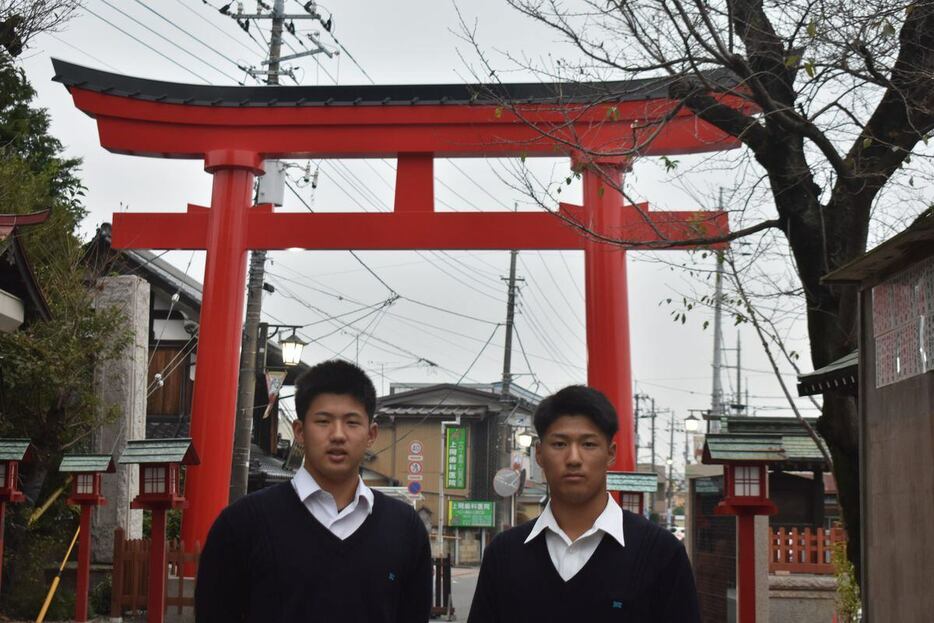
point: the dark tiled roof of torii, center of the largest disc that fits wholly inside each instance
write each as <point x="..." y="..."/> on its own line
<point x="81" y="77"/>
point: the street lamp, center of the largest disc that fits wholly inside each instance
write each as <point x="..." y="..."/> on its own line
<point x="691" y="424"/>
<point x="292" y="347"/>
<point x="525" y="439"/>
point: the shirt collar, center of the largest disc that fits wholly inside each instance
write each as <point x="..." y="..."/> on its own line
<point x="610" y="521"/>
<point x="305" y="486"/>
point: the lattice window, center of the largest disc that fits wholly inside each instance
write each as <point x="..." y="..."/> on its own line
<point x="153" y="480"/>
<point x="747" y="481"/>
<point x="85" y="485"/>
<point x="631" y="502"/>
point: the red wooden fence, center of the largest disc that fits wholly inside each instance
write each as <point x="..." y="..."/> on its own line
<point x="803" y="551"/>
<point x="131" y="574"/>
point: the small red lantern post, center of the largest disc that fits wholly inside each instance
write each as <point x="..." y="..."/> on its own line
<point x="745" y="494"/>
<point x="632" y="487"/>
<point x="160" y="462"/>
<point x="86" y="493"/>
<point x="12" y="453"/>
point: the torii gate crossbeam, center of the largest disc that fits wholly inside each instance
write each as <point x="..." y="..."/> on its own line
<point x="233" y="129"/>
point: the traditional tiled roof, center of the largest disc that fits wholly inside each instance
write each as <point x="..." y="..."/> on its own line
<point x="842" y="374"/>
<point x="736" y="447"/>
<point x="432" y="411"/>
<point x="72" y="75"/>
<point x="15" y="449"/>
<point x="160" y="451"/>
<point x="632" y="482"/>
<point x="76" y="463"/>
<point x="793" y="450"/>
<point x="913" y="244"/>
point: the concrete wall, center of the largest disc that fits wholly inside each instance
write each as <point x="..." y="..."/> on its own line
<point x="801" y="598"/>
<point x="122" y="383"/>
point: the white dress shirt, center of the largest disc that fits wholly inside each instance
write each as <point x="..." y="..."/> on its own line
<point x="322" y="506"/>
<point x="568" y="556"/>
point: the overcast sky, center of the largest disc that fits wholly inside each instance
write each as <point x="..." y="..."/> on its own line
<point x="404" y="42"/>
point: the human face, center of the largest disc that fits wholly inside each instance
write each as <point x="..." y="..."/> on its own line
<point x="574" y="455"/>
<point x="335" y="433"/>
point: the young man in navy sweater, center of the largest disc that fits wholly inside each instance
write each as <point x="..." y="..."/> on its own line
<point x="584" y="559"/>
<point x="323" y="547"/>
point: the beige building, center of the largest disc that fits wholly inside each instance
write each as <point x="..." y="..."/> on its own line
<point x="446" y="438"/>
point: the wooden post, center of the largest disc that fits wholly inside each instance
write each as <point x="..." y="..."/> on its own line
<point x="116" y="578"/>
<point x="746" y="569"/>
<point x="155" y="603"/>
<point x="84" y="565"/>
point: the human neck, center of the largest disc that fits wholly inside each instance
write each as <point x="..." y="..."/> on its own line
<point x="577" y="518"/>
<point x="342" y="490"/>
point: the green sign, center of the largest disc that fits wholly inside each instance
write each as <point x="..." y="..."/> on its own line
<point x="470" y="514"/>
<point x="455" y="453"/>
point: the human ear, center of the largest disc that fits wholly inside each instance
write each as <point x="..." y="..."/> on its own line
<point x="612" y="453"/>
<point x="297" y="428"/>
<point x="372" y="434"/>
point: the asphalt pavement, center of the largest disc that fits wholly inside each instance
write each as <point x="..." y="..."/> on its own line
<point x="463" y="584"/>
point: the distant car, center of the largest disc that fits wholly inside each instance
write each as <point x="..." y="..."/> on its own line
<point x="678" y="531"/>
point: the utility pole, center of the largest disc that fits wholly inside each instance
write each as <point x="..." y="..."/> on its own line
<point x="273" y="185"/>
<point x="739" y="375"/>
<point x="716" y="394"/>
<point x="637" y="398"/>
<point x="671" y="464"/>
<point x="510" y="318"/>
<point x="504" y="437"/>
<point x="653" y="433"/>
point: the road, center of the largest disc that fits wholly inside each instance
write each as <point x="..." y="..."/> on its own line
<point x="463" y="583"/>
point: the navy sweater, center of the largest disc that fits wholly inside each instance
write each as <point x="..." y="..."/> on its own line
<point x="647" y="581"/>
<point x="267" y="559"/>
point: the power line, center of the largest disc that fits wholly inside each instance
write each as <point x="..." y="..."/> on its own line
<point x="143" y="43"/>
<point x="188" y="34"/>
<point x="169" y="41"/>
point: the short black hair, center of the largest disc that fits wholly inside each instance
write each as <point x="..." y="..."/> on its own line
<point x="335" y="376"/>
<point x="576" y="400"/>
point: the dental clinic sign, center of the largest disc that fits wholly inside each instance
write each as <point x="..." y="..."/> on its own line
<point x="455" y="453"/>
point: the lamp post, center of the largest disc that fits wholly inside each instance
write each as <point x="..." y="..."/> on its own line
<point x="691" y="426"/>
<point x="292" y="346"/>
<point x="13" y="452"/>
<point x="86" y="493"/>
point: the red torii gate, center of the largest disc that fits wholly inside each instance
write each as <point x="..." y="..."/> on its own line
<point x="233" y="129"/>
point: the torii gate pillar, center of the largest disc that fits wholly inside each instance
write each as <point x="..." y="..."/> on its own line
<point x="609" y="367"/>
<point x="219" y="340"/>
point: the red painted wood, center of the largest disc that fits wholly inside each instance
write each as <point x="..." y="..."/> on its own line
<point x="406" y="230"/>
<point x="219" y="340"/>
<point x="450" y="130"/>
<point x="746" y="569"/>
<point x="232" y="141"/>
<point x="84" y="565"/>
<point x="155" y="602"/>
<point x="415" y="183"/>
<point x="609" y="367"/>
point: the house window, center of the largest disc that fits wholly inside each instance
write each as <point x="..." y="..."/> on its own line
<point x="154" y="480"/>
<point x="631" y="502"/>
<point x="85" y="485"/>
<point x="2" y="475"/>
<point x="746" y="481"/>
